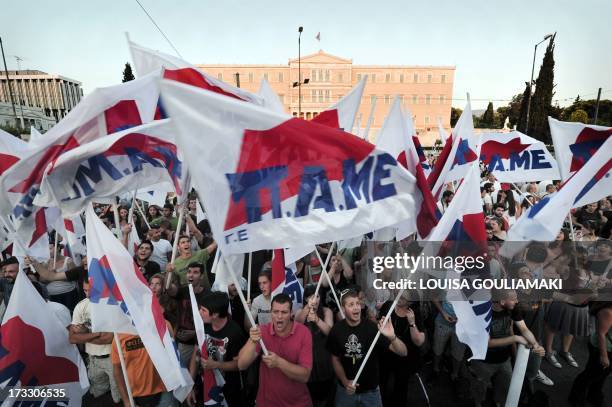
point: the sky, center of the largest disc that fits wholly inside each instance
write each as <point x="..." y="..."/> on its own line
<point x="489" y="42"/>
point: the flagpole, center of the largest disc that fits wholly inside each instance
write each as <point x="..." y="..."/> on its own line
<point x="367" y="356"/>
<point x="324" y="269"/>
<point x="123" y="369"/>
<point x="175" y="243"/>
<point x="324" y="272"/>
<point x="366" y="132"/>
<point x="249" y="277"/>
<point x="131" y="211"/>
<point x="244" y="303"/>
<point x="55" y="251"/>
<point x="144" y="217"/>
<point x="116" y="218"/>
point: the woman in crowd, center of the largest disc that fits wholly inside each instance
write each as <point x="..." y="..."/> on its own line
<point x="497" y="227"/>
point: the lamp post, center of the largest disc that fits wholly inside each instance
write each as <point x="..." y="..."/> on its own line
<point x="300" y="29"/>
<point x="531" y="81"/>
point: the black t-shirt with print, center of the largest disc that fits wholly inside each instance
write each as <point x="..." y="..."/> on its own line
<point x="412" y="361"/>
<point x="501" y="324"/>
<point x="223" y="346"/>
<point x="350" y="344"/>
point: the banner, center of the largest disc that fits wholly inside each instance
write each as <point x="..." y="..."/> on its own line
<point x="575" y="144"/>
<point x="516" y="157"/>
<point x="543" y="220"/>
<point x="36" y="351"/>
<point x="342" y="114"/>
<point x="116" y="281"/>
<point x="268" y="181"/>
<point x="102" y="169"/>
<point x="284" y="280"/>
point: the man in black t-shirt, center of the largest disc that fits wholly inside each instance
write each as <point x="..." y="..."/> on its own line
<point x="224" y="339"/>
<point x="496" y="367"/>
<point x="348" y="343"/>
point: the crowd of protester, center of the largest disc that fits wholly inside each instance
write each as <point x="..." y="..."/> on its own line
<point x="316" y="348"/>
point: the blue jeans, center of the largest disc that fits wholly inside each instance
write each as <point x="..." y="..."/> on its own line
<point x="367" y="399"/>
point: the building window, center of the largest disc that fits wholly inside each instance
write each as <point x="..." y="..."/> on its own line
<point x="308" y="115"/>
<point x="443" y="78"/>
<point x="401" y="78"/>
<point x="387" y="99"/>
<point x="321" y="96"/>
<point x="313" y="95"/>
<point x="415" y="99"/>
<point x="415" y="78"/>
<point x="327" y="75"/>
<point x="441" y="99"/>
<point x="265" y="76"/>
<point x="340" y="77"/>
<point x="388" y="78"/>
<point x="401" y="98"/>
<point x="373" y="78"/>
<point x="358" y="77"/>
<point x="327" y="95"/>
<point x="372" y="99"/>
<point x="250" y="76"/>
<point x="280" y="77"/>
<point x="428" y="100"/>
<point x="429" y="76"/>
<point x="426" y="119"/>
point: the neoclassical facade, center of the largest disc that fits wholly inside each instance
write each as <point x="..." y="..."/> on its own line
<point x="425" y="90"/>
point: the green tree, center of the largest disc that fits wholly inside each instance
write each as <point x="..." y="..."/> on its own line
<point x="455" y="115"/>
<point x="511" y="111"/>
<point x="580" y="116"/>
<point x="521" y="121"/>
<point x="487" y="121"/>
<point x="11" y="130"/>
<point x="542" y="97"/>
<point x="127" y="73"/>
<point x="604" y="114"/>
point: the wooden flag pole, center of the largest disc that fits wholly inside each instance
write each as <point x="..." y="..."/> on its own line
<point x="124" y="369"/>
<point x="179" y="224"/>
<point x="248" y="277"/>
<point x="331" y="286"/>
<point x="324" y="265"/>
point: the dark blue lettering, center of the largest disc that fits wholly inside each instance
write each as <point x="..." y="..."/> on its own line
<point x="248" y="186"/>
<point x="356" y="182"/>
<point x="137" y="158"/>
<point x="24" y="207"/>
<point x="518" y="160"/>
<point x="538" y="160"/>
<point x="380" y="191"/>
<point x="96" y="163"/>
<point x="173" y="164"/>
<point x="242" y="235"/>
<point x="312" y="177"/>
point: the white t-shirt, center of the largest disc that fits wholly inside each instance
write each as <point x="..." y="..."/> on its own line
<point x="161" y="248"/>
<point x="82" y="316"/>
<point x="261" y="310"/>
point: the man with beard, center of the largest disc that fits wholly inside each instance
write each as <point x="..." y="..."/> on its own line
<point x="285" y="370"/>
<point x="10" y="268"/>
<point x="348" y="342"/>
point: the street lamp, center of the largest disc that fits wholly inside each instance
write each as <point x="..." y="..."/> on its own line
<point x="531" y="82"/>
<point x="300" y="29"/>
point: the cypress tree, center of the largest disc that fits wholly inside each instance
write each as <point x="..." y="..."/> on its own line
<point x="522" y="119"/>
<point x="488" y="117"/>
<point x="127" y="73"/>
<point x="542" y="97"/>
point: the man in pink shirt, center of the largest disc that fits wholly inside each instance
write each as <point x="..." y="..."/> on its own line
<point x="284" y="372"/>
